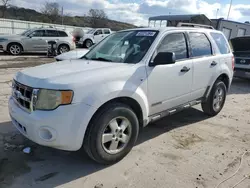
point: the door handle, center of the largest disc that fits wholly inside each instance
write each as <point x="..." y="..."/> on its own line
<point x="213" y="63"/>
<point x="185" y="69"/>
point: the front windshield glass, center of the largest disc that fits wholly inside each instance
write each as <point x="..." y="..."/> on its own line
<point x="123" y="47"/>
<point x="91" y="31"/>
<point x="27" y="32"/>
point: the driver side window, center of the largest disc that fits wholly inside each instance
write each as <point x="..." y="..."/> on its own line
<point x="98" y="32"/>
<point x="175" y="42"/>
<point x="38" y="33"/>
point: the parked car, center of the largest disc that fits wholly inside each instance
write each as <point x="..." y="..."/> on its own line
<point x="73" y="54"/>
<point x="34" y="40"/>
<point x="100" y="102"/>
<point x="93" y="36"/>
<point x="241" y="50"/>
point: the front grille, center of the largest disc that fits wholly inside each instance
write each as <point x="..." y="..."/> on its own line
<point x="242" y="61"/>
<point x="22" y="94"/>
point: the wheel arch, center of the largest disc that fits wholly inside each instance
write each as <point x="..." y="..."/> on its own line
<point x="8" y="46"/>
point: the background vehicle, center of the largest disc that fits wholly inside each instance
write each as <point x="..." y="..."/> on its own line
<point x="94" y="36"/>
<point x="34" y="40"/>
<point x="241" y="48"/>
<point x="73" y="54"/>
<point x="126" y="81"/>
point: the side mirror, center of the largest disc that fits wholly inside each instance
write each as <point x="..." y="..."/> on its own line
<point x="164" y="58"/>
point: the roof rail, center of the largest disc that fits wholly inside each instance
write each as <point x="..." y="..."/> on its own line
<point x="182" y="24"/>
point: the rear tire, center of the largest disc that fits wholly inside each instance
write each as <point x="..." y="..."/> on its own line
<point x="112" y="134"/>
<point x="216" y="99"/>
<point x="63" y="48"/>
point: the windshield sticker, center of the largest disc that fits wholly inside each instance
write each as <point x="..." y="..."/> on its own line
<point x="145" y="34"/>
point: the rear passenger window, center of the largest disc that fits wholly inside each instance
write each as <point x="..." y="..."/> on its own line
<point x="221" y="43"/>
<point x="106" y="31"/>
<point x="200" y="45"/>
<point x="176" y="43"/>
<point x="62" y="34"/>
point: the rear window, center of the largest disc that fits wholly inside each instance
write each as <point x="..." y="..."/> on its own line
<point x="62" y="34"/>
<point x="221" y="43"/>
<point x="200" y="45"/>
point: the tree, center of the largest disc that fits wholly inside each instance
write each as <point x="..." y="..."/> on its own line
<point x="5" y="5"/>
<point x="98" y="18"/>
<point x="51" y="10"/>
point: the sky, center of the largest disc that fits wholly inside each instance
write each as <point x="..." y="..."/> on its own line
<point x="138" y="11"/>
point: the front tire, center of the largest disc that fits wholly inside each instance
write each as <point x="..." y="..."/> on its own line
<point x="15" y="49"/>
<point x="88" y="43"/>
<point x="216" y="100"/>
<point x="112" y="134"/>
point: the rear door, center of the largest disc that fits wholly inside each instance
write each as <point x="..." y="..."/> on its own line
<point x="204" y="62"/>
<point x="106" y="32"/>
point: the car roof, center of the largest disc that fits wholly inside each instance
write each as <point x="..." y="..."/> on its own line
<point x="163" y="29"/>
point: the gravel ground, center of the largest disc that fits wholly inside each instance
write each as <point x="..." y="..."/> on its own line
<point x="186" y="150"/>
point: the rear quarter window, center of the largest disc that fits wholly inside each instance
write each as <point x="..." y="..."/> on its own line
<point x="221" y="42"/>
<point x="62" y="34"/>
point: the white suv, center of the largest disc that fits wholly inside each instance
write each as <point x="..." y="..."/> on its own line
<point x="128" y="80"/>
<point x="35" y="40"/>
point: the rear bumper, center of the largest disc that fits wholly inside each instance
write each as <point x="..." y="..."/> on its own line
<point x="242" y="73"/>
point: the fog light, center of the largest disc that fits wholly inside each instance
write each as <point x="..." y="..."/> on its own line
<point x="47" y="134"/>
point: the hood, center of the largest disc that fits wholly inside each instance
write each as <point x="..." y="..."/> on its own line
<point x="65" y="74"/>
<point x="74" y="54"/>
<point x="10" y="36"/>
<point x="240" y="44"/>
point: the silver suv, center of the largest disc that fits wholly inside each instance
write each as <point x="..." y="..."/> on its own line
<point x="34" y="40"/>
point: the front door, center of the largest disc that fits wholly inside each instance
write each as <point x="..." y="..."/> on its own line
<point x="98" y="35"/>
<point x="170" y="85"/>
<point x="35" y="41"/>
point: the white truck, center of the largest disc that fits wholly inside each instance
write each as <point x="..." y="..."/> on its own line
<point x="94" y="36"/>
<point x="129" y="79"/>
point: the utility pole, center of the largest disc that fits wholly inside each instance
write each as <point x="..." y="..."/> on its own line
<point x="62" y="15"/>
<point x="229" y="9"/>
<point x="217" y="13"/>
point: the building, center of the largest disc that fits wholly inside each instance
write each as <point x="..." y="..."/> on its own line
<point x="173" y="20"/>
<point x="231" y="29"/>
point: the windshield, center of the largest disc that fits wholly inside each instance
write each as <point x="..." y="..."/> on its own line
<point x="91" y="31"/>
<point x="27" y="32"/>
<point x="123" y="47"/>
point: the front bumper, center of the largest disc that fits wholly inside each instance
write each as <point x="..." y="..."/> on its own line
<point x="63" y="128"/>
<point x="3" y="46"/>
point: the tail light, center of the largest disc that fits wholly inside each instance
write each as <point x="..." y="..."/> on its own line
<point x="233" y="60"/>
<point x="74" y="39"/>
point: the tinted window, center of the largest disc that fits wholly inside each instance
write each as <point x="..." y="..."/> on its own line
<point x="38" y="33"/>
<point x="200" y="45"/>
<point x="106" y="31"/>
<point x="62" y="34"/>
<point x="174" y="43"/>
<point x="221" y="43"/>
<point x="98" y="32"/>
<point x="51" y="33"/>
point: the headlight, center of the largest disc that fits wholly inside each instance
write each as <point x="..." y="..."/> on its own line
<point x="51" y="99"/>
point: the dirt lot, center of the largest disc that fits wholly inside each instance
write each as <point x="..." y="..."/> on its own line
<point x="187" y="150"/>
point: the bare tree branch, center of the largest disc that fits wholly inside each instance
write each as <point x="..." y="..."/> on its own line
<point x="98" y="18"/>
<point x="5" y="5"/>
<point x="52" y="10"/>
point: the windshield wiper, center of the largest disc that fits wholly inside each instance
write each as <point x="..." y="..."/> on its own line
<point x="101" y="59"/>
